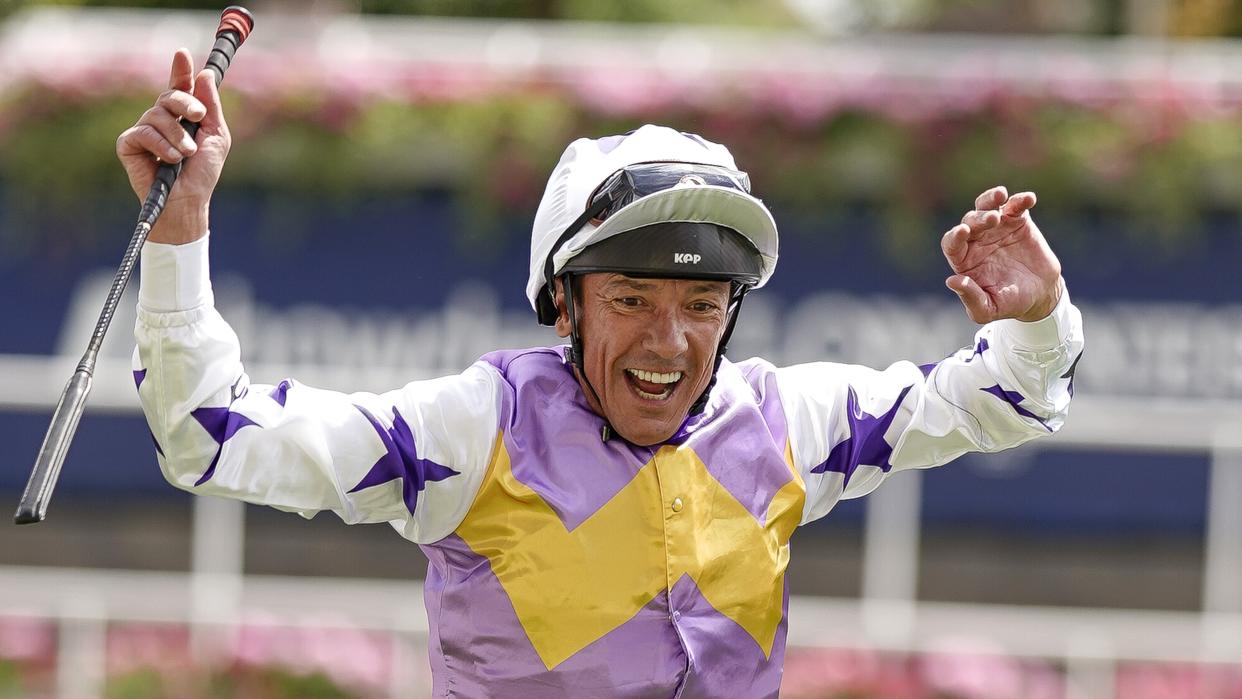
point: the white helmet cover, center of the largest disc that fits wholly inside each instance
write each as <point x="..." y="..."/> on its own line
<point x="587" y="162"/>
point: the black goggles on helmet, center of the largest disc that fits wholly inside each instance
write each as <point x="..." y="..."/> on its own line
<point x="629" y="184"/>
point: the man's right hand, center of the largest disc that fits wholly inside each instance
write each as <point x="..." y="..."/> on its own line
<point x="157" y="137"/>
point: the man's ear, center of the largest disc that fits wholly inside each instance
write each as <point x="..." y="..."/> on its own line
<point x="562" y="316"/>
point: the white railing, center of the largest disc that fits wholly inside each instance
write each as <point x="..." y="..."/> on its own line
<point x="82" y="602"/>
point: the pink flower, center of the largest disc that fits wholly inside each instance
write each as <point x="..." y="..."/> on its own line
<point x="349" y="656"/>
<point x="26" y="639"/>
<point x="163" y="647"/>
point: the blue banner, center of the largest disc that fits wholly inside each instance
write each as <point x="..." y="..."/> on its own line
<point x="393" y="289"/>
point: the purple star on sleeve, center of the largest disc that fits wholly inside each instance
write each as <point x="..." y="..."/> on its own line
<point x="401" y="461"/>
<point x="866" y="444"/>
<point x="156" y="442"/>
<point x="280" y="393"/>
<point x="980" y="348"/>
<point x="221" y="425"/>
<point x="1013" y="398"/>
<point x="139" y="377"/>
<point x="1070" y="374"/>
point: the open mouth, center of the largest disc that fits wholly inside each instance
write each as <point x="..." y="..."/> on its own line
<point x="653" y="385"/>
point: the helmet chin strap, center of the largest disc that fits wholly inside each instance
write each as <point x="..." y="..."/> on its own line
<point x="575" y="354"/>
<point x="738" y="293"/>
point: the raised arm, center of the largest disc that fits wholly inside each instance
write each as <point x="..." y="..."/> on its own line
<point x="850" y="425"/>
<point x="413" y="457"/>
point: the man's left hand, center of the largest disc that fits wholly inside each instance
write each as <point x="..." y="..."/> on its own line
<point x="1003" y="267"/>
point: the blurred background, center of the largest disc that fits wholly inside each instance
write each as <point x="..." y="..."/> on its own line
<point x="372" y="227"/>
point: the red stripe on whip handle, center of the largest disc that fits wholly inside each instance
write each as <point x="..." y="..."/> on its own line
<point x="236" y="19"/>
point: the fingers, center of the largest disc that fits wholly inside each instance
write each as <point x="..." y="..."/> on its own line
<point x="955" y="244"/>
<point x="978" y="304"/>
<point x="145" y="138"/>
<point x="182" y="72"/>
<point x="170" y="128"/>
<point x="980" y="220"/>
<point x="181" y="105"/>
<point x="178" y="99"/>
<point x="209" y="98"/>
<point x="159" y="132"/>
<point x="1019" y="204"/>
<point x="994" y="207"/>
<point x="986" y="213"/>
<point x="991" y="199"/>
<point x="159" y="135"/>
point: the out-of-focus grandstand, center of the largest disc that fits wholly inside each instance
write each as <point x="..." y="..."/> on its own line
<point x="391" y="152"/>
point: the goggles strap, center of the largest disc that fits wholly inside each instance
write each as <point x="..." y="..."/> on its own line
<point x="592" y="211"/>
<point x="735" y="307"/>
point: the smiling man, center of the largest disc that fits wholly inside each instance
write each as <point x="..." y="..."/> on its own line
<point x="612" y="517"/>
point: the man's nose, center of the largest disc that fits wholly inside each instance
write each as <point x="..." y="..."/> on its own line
<point x="667" y="335"/>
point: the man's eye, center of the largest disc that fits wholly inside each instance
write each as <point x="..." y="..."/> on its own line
<point x="630" y="301"/>
<point x="702" y="307"/>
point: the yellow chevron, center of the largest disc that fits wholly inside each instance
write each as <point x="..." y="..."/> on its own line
<point x="571" y="588"/>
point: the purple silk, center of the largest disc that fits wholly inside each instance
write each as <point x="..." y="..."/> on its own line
<point x="736" y="441"/>
<point x="724" y="659"/>
<point x="553" y="438"/>
<point x="479" y="643"/>
<point x="675" y="645"/>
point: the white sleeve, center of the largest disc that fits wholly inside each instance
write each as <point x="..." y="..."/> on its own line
<point x="413" y="457"/>
<point x="850" y="426"/>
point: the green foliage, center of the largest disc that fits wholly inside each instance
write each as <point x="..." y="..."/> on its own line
<point x="140" y="684"/>
<point x="249" y="682"/>
<point x="11" y="686"/>
<point x="274" y="683"/>
<point x="1157" y="168"/>
<point x="60" y="157"/>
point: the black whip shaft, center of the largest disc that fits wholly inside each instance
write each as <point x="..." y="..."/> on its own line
<point x="235" y="25"/>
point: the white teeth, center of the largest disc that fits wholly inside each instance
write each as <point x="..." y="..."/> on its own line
<point x="656" y="377"/>
<point x="654" y="396"/>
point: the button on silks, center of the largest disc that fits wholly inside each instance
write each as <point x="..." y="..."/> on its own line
<point x="677" y="504"/>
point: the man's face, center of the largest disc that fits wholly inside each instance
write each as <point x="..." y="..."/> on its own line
<point x="649" y="346"/>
